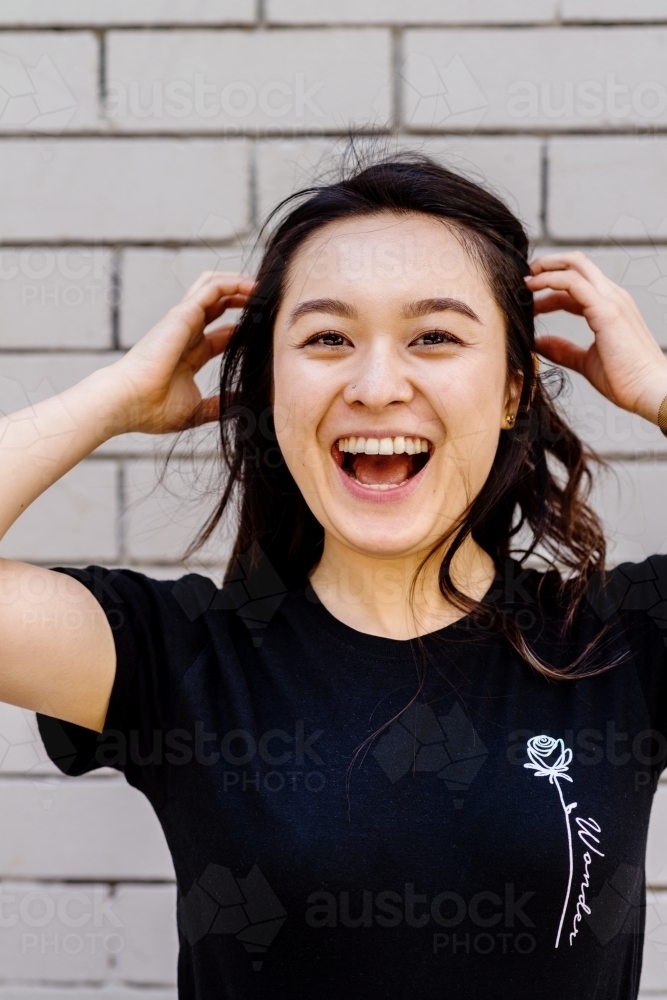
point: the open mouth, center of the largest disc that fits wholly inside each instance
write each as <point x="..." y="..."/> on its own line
<point x="382" y="463"/>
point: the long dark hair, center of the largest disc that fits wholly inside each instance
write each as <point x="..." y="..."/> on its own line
<point x="541" y="478"/>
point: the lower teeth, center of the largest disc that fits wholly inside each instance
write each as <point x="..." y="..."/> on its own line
<point x="379" y="486"/>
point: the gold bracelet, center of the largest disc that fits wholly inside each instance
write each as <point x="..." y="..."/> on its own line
<point x="662" y="416"/>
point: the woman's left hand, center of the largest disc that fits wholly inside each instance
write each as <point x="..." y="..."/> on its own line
<point x="624" y="362"/>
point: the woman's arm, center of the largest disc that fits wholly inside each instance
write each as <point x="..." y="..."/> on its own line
<point x="52" y="661"/>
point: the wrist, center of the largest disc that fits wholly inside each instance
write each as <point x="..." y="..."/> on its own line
<point x="117" y="404"/>
<point x="652" y="399"/>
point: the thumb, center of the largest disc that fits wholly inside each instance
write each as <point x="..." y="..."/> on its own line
<point x="208" y="409"/>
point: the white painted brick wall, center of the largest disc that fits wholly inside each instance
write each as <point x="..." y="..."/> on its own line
<point x="79" y="828"/>
<point x="198" y="80"/>
<point x="418" y="11"/>
<point x="54" y="298"/>
<point x="546" y="78"/>
<point x="154" y="279"/>
<point x="150" y="938"/>
<point x="97" y="190"/>
<point x="613" y="10"/>
<point x="50" y="82"/>
<point x="102" y="13"/>
<point x="511" y="166"/>
<point x="107" y="213"/>
<point x="105" y="993"/>
<point x="608" y="188"/>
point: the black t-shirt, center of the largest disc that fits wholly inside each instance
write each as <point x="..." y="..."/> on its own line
<point x="490" y="841"/>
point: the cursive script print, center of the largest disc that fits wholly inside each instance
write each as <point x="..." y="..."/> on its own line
<point x="550" y="759"/>
<point x="581" y="898"/>
<point x="587" y="830"/>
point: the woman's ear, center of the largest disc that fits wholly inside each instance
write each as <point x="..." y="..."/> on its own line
<point x="512" y="397"/>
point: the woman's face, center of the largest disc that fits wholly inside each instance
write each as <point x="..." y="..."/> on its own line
<point x="390" y="380"/>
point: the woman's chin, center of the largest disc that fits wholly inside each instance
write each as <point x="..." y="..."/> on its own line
<point x="389" y="540"/>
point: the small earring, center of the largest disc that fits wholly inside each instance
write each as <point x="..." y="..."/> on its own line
<point x="509" y="419"/>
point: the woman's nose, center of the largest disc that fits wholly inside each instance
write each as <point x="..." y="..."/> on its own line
<point x="379" y="381"/>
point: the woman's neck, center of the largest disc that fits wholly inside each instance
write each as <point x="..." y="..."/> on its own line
<point x="376" y="595"/>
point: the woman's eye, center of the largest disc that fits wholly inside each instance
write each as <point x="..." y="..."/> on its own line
<point x="329" y="339"/>
<point x="434" y="338"/>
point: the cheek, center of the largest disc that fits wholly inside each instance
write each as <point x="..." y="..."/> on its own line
<point x="299" y="405"/>
<point x="471" y="396"/>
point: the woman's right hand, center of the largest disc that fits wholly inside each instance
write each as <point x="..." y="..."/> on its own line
<point x="158" y="372"/>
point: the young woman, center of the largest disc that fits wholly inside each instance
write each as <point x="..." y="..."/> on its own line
<point x="389" y="759"/>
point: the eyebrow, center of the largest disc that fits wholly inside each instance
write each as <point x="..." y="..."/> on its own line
<point x="426" y="306"/>
<point x="422" y="307"/>
<point x="334" y="306"/>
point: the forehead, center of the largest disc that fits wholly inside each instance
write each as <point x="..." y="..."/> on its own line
<point x="386" y="251"/>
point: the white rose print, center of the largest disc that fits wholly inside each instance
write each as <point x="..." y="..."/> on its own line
<point x="550" y="759"/>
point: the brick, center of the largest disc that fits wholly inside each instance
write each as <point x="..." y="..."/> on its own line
<point x="48" y="82"/>
<point x="154" y="280"/>
<point x="150" y="952"/>
<point x="21" y="747"/>
<point x="71" y="13"/>
<point x="536" y="78"/>
<point x="608" y="188"/>
<point x="613" y="10"/>
<point x="29" y="378"/>
<point x="161" y="519"/>
<point x="656" y="850"/>
<point x="418" y="12"/>
<point x="55" y="298"/>
<point x="79" y="828"/>
<point x="630" y="502"/>
<point x="201" y="441"/>
<point x="297" y="80"/>
<point x="642" y="271"/>
<point x="509" y="166"/>
<point x="57" y="932"/>
<point x="654" y="966"/>
<point x="604" y="427"/>
<point x="106" y="993"/>
<point x="74" y="519"/>
<point x="100" y="190"/>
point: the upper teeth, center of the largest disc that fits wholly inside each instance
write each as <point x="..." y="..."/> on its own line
<point x="383" y="446"/>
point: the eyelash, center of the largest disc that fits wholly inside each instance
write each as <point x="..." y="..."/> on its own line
<point x="319" y="339"/>
<point x="447" y="338"/>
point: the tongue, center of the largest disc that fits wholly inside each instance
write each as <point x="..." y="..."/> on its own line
<point x="373" y="469"/>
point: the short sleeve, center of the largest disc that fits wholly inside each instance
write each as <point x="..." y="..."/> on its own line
<point x="156" y="629"/>
<point x="635" y="594"/>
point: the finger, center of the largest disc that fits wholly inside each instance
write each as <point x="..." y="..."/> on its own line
<point x="226" y="302"/>
<point x="572" y="282"/>
<point x="573" y="260"/>
<point x="207" y="411"/>
<point x="553" y="301"/>
<point x="206" y="276"/>
<point x="562" y="352"/>
<point x="210" y="346"/>
<point x="212" y="285"/>
<point x="219" y="337"/>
